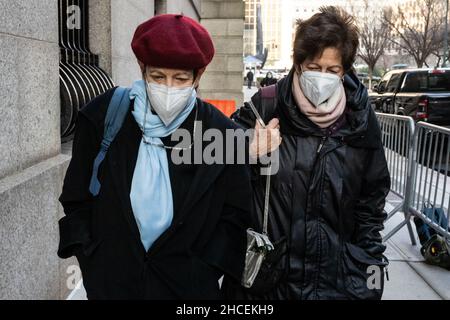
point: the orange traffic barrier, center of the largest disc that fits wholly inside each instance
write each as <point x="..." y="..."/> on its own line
<point x="228" y="107"/>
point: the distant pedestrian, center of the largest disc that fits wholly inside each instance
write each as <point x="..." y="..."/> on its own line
<point x="269" y="80"/>
<point x="250" y="77"/>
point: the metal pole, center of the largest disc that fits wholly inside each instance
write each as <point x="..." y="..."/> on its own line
<point x="444" y="63"/>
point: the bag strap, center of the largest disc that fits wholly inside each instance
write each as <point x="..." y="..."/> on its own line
<point x="115" y="116"/>
<point x="266" y="202"/>
<point x="269" y="105"/>
<point x="267" y="193"/>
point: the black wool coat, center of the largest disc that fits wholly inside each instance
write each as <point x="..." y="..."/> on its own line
<point x="206" y="239"/>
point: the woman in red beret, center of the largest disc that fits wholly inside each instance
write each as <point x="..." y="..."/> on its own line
<point x="156" y="229"/>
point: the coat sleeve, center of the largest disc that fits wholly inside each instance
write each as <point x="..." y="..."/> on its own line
<point x="227" y="248"/>
<point x="369" y="209"/>
<point x="76" y="199"/>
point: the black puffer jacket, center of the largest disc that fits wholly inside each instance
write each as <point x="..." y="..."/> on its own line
<point x="327" y="201"/>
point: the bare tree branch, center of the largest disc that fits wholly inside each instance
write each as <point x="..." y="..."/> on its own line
<point x="420" y="38"/>
<point x="374" y="37"/>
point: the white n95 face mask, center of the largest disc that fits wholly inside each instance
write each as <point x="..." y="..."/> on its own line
<point x="168" y="102"/>
<point x="318" y="87"/>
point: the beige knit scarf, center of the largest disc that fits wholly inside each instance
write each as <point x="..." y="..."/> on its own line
<point x="327" y="113"/>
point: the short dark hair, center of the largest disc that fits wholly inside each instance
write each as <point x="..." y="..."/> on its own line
<point x="331" y="27"/>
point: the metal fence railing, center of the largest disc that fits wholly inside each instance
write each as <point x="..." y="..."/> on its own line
<point x="418" y="157"/>
<point x="397" y="137"/>
<point x="431" y="192"/>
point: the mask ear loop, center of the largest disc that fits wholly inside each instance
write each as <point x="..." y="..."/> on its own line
<point x="147" y="96"/>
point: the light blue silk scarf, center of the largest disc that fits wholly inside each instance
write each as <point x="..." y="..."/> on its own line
<point x="151" y="191"/>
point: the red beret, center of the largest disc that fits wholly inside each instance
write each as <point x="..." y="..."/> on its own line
<point x="173" y="41"/>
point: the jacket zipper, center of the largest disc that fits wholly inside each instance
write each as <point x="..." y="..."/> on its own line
<point x="387" y="273"/>
<point x="318" y="154"/>
<point x="319" y="150"/>
<point x="322" y="143"/>
<point x="386" y="268"/>
<point x="318" y="161"/>
<point x="319" y="245"/>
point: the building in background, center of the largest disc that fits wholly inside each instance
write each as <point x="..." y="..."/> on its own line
<point x="372" y="12"/>
<point x="33" y="160"/>
<point x="250" y="26"/>
<point x="275" y="19"/>
<point x="190" y="8"/>
<point x="279" y="18"/>
<point x="223" y="79"/>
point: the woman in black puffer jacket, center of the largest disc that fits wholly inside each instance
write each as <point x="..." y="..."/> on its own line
<point x="327" y="199"/>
